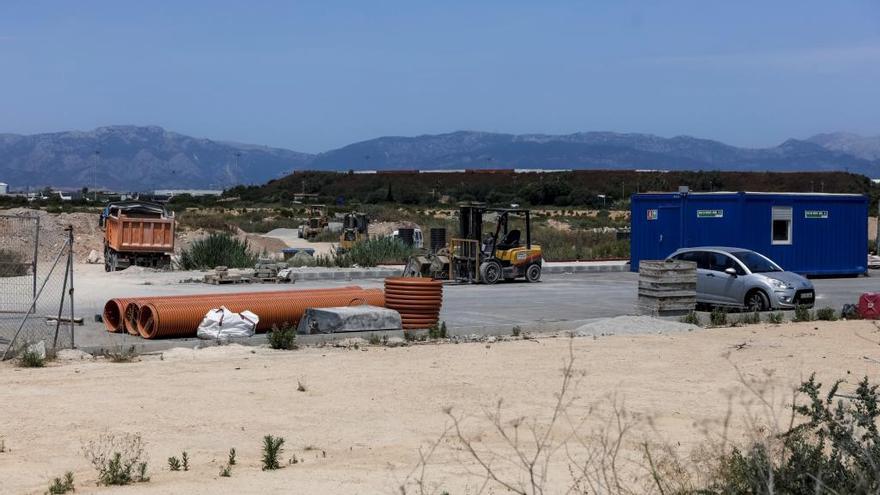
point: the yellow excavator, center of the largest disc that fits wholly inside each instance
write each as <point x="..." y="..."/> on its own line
<point x="475" y="256"/>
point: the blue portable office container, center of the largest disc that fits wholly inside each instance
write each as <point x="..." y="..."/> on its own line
<point x="807" y="233"/>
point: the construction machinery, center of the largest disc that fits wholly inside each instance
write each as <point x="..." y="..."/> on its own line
<point x="355" y="228"/>
<point x="474" y="256"/>
<point x="316" y="222"/>
<point x="137" y="233"/>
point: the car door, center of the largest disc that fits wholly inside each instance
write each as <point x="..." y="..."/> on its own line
<point x="724" y="287"/>
<point x="704" y="295"/>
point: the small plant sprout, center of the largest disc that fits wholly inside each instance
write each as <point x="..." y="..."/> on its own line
<point x="226" y="471"/>
<point x="184" y="457"/>
<point x="60" y="486"/>
<point x="516" y="331"/>
<point x="272" y="449"/>
<point x="301" y="385"/>
<point x="231" y="460"/>
<point x="174" y="463"/>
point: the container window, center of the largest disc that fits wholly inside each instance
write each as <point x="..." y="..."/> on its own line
<point x="781" y="229"/>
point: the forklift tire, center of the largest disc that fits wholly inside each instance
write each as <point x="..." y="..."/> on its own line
<point x="490" y="272"/>
<point x="533" y="273"/>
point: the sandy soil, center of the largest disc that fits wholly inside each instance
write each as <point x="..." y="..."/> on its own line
<point x="367" y="410"/>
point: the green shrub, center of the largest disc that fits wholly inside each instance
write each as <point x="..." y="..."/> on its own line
<point x="217" y="249"/>
<point x="826" y="314"/>
<point x="750" y="318"/>
<point x="368" y="254"/>
<point x="226" y="471"/>
<point x="802" y="313"/>
<point x="30" y="358"/>
<point x="117" y="458"/>
<point x="718" y="317"/>
<point x="62" y="485"/>
<point x="283" y="338"/>
<point x="833" y="448"/>
<point x="174" y="463"/>
<point x="438" y="331"/>
<point x="516" y="331"/>
<point x="272" y="449"/>
<point x="775" y="318"/>
<point x="691" y="318"/>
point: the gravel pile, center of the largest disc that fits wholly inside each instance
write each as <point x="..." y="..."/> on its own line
<point x="632" y="325"/>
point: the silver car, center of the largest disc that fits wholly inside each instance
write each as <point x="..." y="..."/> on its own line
<point x="745" y="279"/>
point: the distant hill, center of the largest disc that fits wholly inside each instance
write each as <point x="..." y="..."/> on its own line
<point x="604" y="150"/>
<point x="138" y="158"/>
<point x="853" y="144"/>
<point x="144" y="158"/>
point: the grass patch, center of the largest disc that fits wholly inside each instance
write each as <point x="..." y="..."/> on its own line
<point x="718" y="317"/>
<point x="775" y="318"/>
<point x="691" y="318"/>
<point x="826" y="314"/>
<point x="218" y="249"/>
<point x="283" y="337"/>
<point x="121" y="354"/>
<point x="752" y="318"/>
<point x="802" y="313"/>
<point x="437" y="331"/>
<point x="368" y="254"/>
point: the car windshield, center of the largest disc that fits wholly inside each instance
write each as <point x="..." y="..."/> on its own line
<point x="755" y="262"/>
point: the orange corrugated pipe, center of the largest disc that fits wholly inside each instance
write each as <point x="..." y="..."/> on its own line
<point x="131" y="309"/>
<point x="114" y="313"/>
<point x="418" y="300"/>
<point x="171" y="318"/>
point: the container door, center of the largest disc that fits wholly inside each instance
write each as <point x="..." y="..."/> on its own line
<point x="667" y="232"/>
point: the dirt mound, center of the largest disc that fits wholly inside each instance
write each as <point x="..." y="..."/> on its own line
<point x="86" y="233"/>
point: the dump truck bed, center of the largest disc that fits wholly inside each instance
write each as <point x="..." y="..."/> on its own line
<point x="136" y="234"/>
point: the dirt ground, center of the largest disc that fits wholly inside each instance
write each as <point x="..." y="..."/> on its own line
<point x="366" y="411"/>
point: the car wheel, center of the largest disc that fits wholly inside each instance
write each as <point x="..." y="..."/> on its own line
<point x="490" y="272"/>
<point x="756" y="300"/>
<point x="533" y="273"/>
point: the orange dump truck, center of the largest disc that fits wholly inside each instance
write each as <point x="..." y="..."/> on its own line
<point x="137" y="233"/>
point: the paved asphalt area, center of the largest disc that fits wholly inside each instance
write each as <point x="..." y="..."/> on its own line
<point x="558" y="302"/>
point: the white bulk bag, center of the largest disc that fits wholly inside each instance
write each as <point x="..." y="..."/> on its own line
<point x="222" y="324"/>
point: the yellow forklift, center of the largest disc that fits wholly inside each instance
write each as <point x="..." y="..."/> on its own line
<point x="475" y="256"/>
<point x="355" y="228"/>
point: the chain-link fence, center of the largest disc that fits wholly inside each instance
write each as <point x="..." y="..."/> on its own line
<point x="36" y="288"/>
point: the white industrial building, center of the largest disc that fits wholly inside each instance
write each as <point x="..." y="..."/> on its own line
<point x="4" y="189"/>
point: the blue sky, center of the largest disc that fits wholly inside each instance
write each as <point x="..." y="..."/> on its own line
<point x="312" y="76"/>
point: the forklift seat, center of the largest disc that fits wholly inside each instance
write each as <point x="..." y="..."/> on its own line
<point x="511" y="240"/>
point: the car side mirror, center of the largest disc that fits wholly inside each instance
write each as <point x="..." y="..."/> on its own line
<point x="731" y="272"/>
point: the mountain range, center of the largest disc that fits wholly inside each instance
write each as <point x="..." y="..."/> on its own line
<point x="145" y="158"/>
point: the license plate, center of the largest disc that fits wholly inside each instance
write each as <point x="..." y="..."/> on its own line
<point x="807" y="296"/>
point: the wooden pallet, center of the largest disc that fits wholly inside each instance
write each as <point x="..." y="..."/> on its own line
<point x="234" y="279"/>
